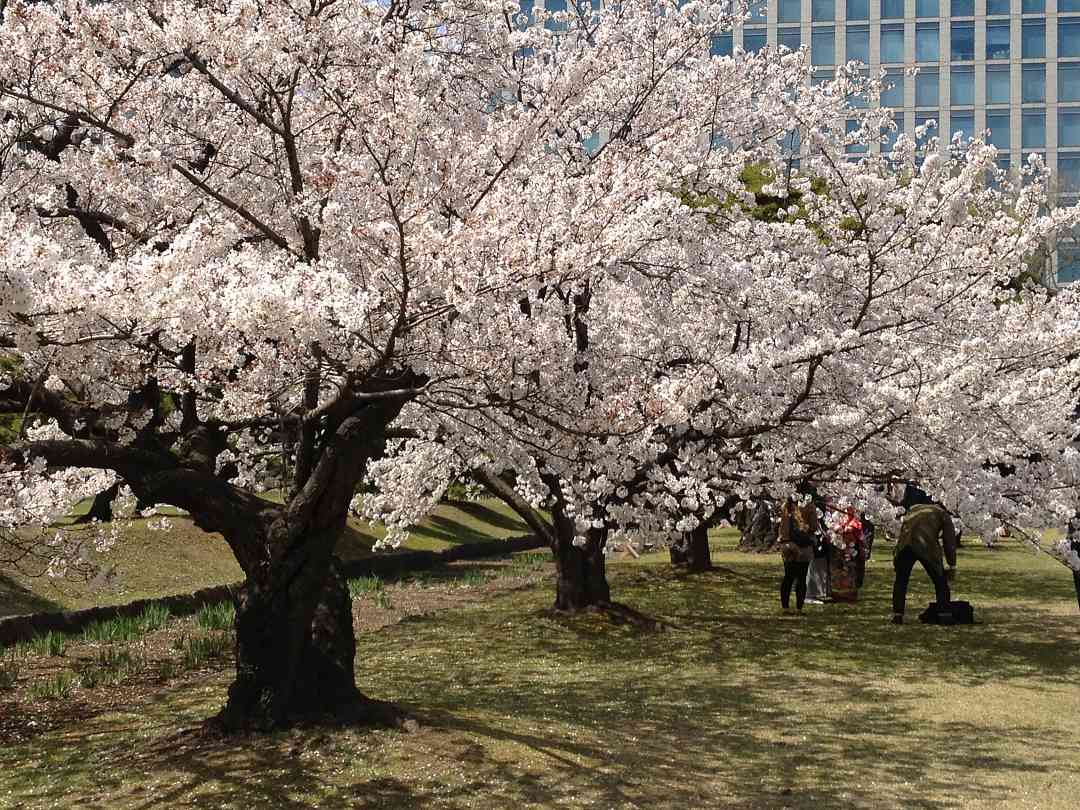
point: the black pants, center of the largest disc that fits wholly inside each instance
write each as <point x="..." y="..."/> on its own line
<point x="903" y="563"/>
<point x="794" y="574"/>
<point x="1076" y="582"/>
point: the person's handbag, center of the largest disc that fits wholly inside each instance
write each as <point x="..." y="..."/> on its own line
<point x="960" y="613"/>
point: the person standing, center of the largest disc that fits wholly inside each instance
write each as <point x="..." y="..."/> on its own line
<point x="796" y="536"/>
<point x="927" y="536"/>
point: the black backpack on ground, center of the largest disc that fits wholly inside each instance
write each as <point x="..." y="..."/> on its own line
<point x="962" y="613"/>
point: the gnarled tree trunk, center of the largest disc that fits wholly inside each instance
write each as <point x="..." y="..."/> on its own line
<point x="693" y="550"/>
<point x="758" y="533"/>
<point x="581" y="578"/>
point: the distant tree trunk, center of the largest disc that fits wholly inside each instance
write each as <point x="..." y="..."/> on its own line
<point x="101" y="508"/>
<point x="758" y="533"/>
<point x="693" y="550"/>
<point x="581" y="578"/>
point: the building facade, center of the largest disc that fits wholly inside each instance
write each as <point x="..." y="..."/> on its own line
<point x="1008" y="66"/>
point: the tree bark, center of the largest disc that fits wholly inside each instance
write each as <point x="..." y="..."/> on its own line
<point x="756" y="526"/>
<point x="693" y="550"/>
<point x="295" y="650"/>
<point x="581" y="578"/>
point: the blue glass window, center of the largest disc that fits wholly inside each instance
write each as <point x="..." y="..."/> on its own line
<point x="754" y="39"/>
<point x="1068" y="263"/>
<point x="963" y="41"/>
<point x="823" y="46"/>
<point x="926" y="42"/>
<point x="893" y="93"/>
<point x="892" y="9"/>
<point x="926" y="88"/>
<point x="858" y="9"/>
<point x="1068" y="5"/>
<point x="1033" y="84"/>
<point x="757" y="11"/>
<point x="1068" y="81"/>
<point x="1033" y="130"/>
<point x="722" y="45"/>
<point x="822" y="10"/>
<point x="858" y="148"/>
<point x="997" y="84"/>
<point x="1033" y="40"/>
<point x="860" y="100"/>
<point x="892" y="43"/>
<point x="789" y="10"/>
<point x="998" y="124"/>
<point x="1033" y="6"/>
<point x="1068" y="37"/>
<point x="926" y="8"/>
<point x="963" y="8"/>
<point x="997" y="7"/>
<point x="962" y="122"/>
<point x="997" y="40"/>
<point x="554" y="7"/>
<point x="790" y="37"/>
<point x="962" y="82"/>
<point x="1069" y="127"/>
<point x="858" y="43"/>
<point x="892" y="134"/>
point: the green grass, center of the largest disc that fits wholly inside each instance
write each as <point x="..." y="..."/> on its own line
<point x="202" y="649"/>
<point x="362" y="586"/>
<point x="219" y="616"/>
<point x="127" y="628"/>
<point x="733" y="705"/>
<point x="56" y="687"/>
<point x="51" y="644"/>
<point x="9" y="671"/>
<point x="147" y="564"/>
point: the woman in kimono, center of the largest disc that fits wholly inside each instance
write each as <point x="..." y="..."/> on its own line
<point x="847" y="561"/>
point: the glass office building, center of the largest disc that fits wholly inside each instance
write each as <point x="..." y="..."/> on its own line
<point x="1009" y="66"/>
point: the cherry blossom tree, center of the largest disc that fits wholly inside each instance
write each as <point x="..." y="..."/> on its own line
<point x="243" y="237"/>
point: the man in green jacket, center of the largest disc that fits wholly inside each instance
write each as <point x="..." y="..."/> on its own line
<point x="920" y="531"/>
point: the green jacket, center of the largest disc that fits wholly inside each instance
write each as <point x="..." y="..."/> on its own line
<point x="920" y="530"/>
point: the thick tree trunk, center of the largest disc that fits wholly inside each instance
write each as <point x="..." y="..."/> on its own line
<point x="693" y="550"/>
<point x="581" y="579"/>
<point x="757" y="528"/>
<point x="294" y="650"/>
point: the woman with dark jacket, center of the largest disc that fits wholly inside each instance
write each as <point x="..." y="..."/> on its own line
<point x="798" y="525"/>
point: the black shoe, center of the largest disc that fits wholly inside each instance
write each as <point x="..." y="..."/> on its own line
<point x="898" y="618"/>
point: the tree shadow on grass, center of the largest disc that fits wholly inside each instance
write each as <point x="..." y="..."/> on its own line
<point x="16" y="599"/>
<point x="481" y="511"/>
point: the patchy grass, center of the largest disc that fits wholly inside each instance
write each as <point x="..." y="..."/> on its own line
<point x="127" y="628"/>
<point x="220" y="616"/>
<point x="732" y="706"/>
<point x="148" y="563"/>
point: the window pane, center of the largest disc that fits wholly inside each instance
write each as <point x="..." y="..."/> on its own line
<point x="1033" y="6"/>
<point x="962" y="122"/>
<point x="893" y="94"/>
<point x="892" y="43"/>
<point x="1068" y="5"/>
<point x="1068" y="263"/>
<point x="1033" y="130"/>
<point x="926" y="8"/>
<point x="721" y="45"/>
<point x="926" y="88"/>
<point x="997" y="84"/>
<point x="1033" y="38"/>
<point x="962" y="81"/>
<point x="997" y="40"/>
<point x="997" y="6"/>
<point x="963" y="42"/>
<point x="789" y="10"/>
<point x="998" y="124"/>
<point x="822" y="10"/>
<point x="894" y="9"/>
<point x="858" y="9"/>
<point x="823" y="46"/>
<point x="1033" y="84"/>
<point x="758" y="11"/>
<point x="790" y="37"/>
<point x="926" y="42"/>
<point x="1069" y="172"/>
<point x="1069" y="127"/>
<point x="858" y="44"/>
<point x="754" y="39"/>
<point x="1068" y="37"/>
<point x="1069" y="81"/>
<point x="963" y="8"/>
<point x="924" y="119"/>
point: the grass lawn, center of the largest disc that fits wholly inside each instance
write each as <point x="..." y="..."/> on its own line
<point x="149" y="563"/>
<point x="732" y="706"/>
